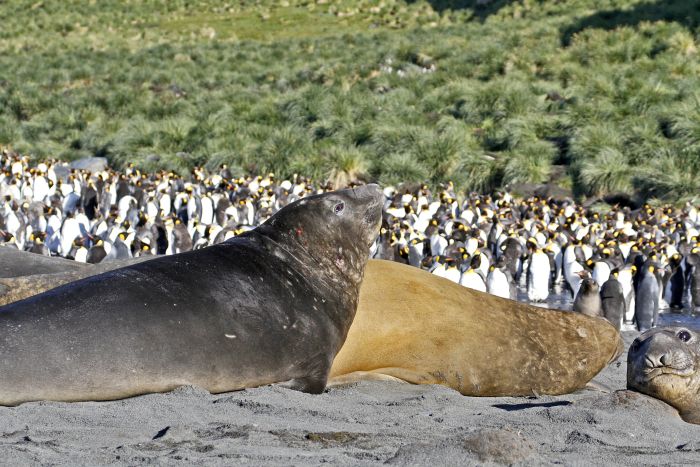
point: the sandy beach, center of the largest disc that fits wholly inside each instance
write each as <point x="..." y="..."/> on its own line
<point x="358" y="424"/>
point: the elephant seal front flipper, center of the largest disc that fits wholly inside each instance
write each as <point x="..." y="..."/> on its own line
<point x="274" y="304"/>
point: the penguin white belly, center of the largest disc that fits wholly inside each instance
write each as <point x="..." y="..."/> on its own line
<point x="27" y="191"/>
<point x="538" y="284"/>
<point x="601" y="273"/>
<point x="452" y="274"/>
<point x="472" y="280"/>
<point x="571" y="271"/>
<point x="17" y="168"/>
<point x="207" y="211"/>
<point x="151" y="210"/>
<point x="625" y="279"/>
<point x="12" y="224"/>
<point x="165" y="204"/>
<point x="439" y="270"/>
<point x="251" y="213"/>
<point x="81" y="255"/>
<point x="497" y="284"/>
<point x="41" y="189"/>
<point x="69" y="232"/>
<point x="421" y="224"/>
<point x="472" y="245"/>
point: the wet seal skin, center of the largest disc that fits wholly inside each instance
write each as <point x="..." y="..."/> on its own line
<point x="413" y="326"/>
<point x="665" y="363"/>
<point x="273" y="305"/>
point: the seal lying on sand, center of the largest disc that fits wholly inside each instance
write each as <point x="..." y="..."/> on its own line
<point x="16" y="288"/>
<point x="414" y="326"/>
<point x="665" y="363"/>
<point x="272" y="305"/>
<point x="18" y="263"/>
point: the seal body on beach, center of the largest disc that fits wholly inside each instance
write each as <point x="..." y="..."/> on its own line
<point x="17" y="263"/>
<point x="270" y="306"/>
<point x="665" y="363"/>
<point x="413" y="326"/>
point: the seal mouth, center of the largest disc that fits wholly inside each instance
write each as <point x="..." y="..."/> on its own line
<point x="651" y="373"/>
<point x="678" y="364"/>
<point x="372" y="217"/>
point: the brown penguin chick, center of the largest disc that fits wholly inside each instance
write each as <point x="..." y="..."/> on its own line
<point x="587" y="300"/>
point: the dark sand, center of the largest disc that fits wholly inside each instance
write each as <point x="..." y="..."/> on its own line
<point x="367" y="423"/>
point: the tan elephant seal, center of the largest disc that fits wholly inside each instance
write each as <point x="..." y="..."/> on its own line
<point x="416" y="327"/>
<point x="665" y="363"/>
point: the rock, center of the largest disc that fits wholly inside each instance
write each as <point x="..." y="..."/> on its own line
<point x="93" y="164"/>
<point x="500" y="446"/>
<point x="153" y="158"/>
<point x="62" y="171"/>
<point x="556" y="192"/>
<point x="623" y="200"/>
<point x="547" y="190"/>
<point x="489" y="446"/>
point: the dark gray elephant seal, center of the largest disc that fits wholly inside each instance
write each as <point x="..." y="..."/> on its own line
<point x="272" y="305"/>
<point x="665" y="363"/>
<point x="13" y="289"/>
<point x="17" y="263"/>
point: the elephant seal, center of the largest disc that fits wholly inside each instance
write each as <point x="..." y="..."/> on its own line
<point x="13" y="289"/>
<point x="17" y="263"/>
<point x="270" y="306"/>
<point x="414" y="326"/>
<point x="665" y="363"/>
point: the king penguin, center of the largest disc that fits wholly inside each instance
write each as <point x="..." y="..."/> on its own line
<point x="499" y="281"/>
<point x="612" y="299"/>
<point x="538" y="273"/>
<point x="646" y="305"/>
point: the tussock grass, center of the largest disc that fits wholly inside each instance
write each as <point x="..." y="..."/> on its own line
<point x="479" y="93"/>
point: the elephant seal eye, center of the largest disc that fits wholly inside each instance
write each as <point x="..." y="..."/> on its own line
<point x="684" y="335"/>
<point x="338" y="208"/>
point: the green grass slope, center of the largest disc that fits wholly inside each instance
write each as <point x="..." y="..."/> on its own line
<point x="601" y="96"/>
